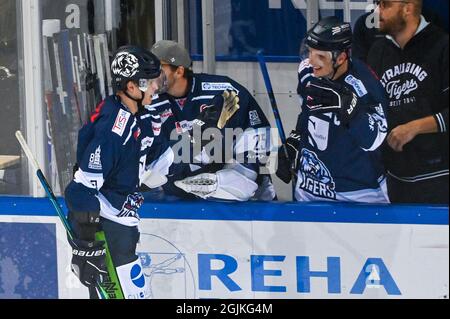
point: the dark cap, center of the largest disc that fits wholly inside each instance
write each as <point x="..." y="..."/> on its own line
<point x="172" y="53"/>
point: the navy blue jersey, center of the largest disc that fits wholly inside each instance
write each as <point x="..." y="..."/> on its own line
<point x="177" y="116"/>
<point x="113" y="150"/>
<point x="343" y="162"/>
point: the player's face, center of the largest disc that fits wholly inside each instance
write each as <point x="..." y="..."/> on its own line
<point x="392" y="17"/>
<point x="322" y="62"/>
<point x="153" y="86"/>
<point x="170" y="76"/>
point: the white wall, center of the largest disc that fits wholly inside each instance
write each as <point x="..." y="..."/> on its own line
<point x="415" y="256"/>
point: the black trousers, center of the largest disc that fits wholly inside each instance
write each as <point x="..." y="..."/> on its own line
<point x="432" y="191"/>
<point x="122" y="241"/>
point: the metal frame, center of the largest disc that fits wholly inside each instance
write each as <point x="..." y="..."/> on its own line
<point x="32" y="88"/>
<point x="159" y="20"/>
<point x="209" y="41"/>
<point x="181" y="22"/>
<point x="312" y="13"/>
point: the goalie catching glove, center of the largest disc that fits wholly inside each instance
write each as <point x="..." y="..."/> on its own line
<point x="227" y="184"/>
<point x="324" y="95"/>
<point x="218" y="114"/>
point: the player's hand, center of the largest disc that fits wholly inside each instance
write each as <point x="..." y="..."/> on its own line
<point x="288" y="157"/>
<point x="400" y="136"/>
<point x="221" y="110"/>
<point x="229" y="108"/>
<point x="324" y="96"/>
<point x="75" y="169"/>
<point x="88" y="261"/>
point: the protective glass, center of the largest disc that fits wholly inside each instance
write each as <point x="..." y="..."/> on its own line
<point x="304" y="50"/>
<point x="320" y="58"/>
<point x="158" y="85"/>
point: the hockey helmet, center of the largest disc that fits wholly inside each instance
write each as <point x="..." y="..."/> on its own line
<point x="330" y="34"/>
<point x="132" y="63"/>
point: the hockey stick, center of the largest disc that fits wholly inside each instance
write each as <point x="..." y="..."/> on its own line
<point x="276" y="112"/>
<point x="51" y="196"/>
<point x="273" y="102"/>
<point x="100" y="65"/>
<point x="48" y="190"/>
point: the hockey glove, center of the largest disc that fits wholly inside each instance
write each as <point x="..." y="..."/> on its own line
<point x="88" y="261"/>
<point x="324" y="96"/>
<point x="218" y="114"/>
<point x="288" y="157"/>
<point x="75" y="169"/>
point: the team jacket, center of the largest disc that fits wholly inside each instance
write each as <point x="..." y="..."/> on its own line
<point x="416" y="82"/>
<point x="177" y="116"/>
<point x="113" y="150"/>
<point x="338" y="162"/>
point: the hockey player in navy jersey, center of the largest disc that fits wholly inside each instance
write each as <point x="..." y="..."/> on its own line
<point x="335" y="149"/>
<point x="203" y="101"/>
<point x="114" y="149"/>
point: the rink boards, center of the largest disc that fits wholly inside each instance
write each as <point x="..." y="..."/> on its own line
<point x="256" y="250"/>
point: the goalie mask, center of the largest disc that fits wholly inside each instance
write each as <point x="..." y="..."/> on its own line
<point x="132" y="63"/>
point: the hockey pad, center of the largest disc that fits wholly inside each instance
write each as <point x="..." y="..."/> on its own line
<point x="155" y="175"/>
<point x="133" y="281"/>
<point x="230" y="107"/>
<point x="153" y="179"/>
<point x="227" y="184"/>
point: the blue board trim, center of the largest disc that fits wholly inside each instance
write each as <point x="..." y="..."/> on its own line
<point x="264" y="212"/>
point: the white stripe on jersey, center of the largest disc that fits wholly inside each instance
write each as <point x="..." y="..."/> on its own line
<point x="372" y="196"/>
<point x="203" y="97"/>
<point x="442" y="126"/>
<point x="109" y="212"/>
<point x="149" y="107"/>
<point x="89" y="180"/>
<point x="419" y="178"/>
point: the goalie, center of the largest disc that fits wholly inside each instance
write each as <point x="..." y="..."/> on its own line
<point x="203" y="107"/>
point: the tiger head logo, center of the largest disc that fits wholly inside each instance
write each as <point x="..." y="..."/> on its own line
<point x="125" y="64"/>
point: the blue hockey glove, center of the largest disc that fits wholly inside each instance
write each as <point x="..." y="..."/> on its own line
<point x="324" y="96"/>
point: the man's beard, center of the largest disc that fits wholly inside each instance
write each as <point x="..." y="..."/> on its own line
<point x="393" y="27"/>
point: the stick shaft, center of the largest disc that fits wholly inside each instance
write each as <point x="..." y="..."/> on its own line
<point x="48" y="190"/>
<point x="272" y="99"/>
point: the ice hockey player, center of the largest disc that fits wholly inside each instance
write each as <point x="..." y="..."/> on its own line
<point x="212" y="102"/>
<point x="335" y="149"/>
<point x="112" y="154"/>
